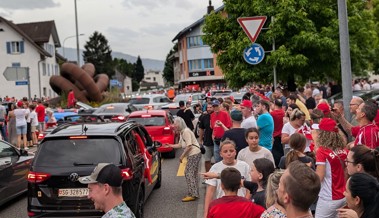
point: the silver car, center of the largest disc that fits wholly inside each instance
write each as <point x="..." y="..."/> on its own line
<point x="150" y="101"/>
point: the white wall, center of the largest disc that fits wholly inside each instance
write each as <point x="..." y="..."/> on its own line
<point x="30" y="59"/>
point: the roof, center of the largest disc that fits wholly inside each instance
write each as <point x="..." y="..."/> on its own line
<point x="40" y="31"/>
<point x="197" y="23"/>
<point x="151" y="112"/>
<point x="26" y="37"/>
<point x="201" y="78"/>
<point x="93" y="129"/>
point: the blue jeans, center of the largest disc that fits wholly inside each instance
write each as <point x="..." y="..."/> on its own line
<point x="4" y="132"/>
<point x="216" y="150"/>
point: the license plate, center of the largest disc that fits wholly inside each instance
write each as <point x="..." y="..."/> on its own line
<point x="73" y="192"/>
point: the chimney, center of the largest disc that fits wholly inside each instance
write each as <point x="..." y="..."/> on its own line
<point x="210" y="7"/>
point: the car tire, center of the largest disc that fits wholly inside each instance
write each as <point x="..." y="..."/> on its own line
<point x="140" y="204"/>
<point x="159" y="180"/>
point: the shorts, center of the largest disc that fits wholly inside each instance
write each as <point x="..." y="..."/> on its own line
<point x="33" y="129"/>
<point x="21" y="130"/>
<point x="208" y="153"/>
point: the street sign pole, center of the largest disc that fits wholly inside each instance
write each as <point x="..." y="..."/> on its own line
<point x="345" y="57"/>
<point x="273" y="49"/>
<point x="28" y="78"/>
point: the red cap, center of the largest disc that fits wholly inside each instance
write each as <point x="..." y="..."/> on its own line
<point x="327" y="124"/>
<point x="324" y="107"/>
<point x="247" y="103"/>
<point x="20" y="104"/>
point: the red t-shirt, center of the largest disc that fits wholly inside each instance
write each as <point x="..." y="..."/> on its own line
<point x="222" y="116"/>
<point x="366" y="135"/>
<point x="234" y="206"/>
<point x="277" y="115"/>
<point x="333" y="184"/>
<point x="40" y="110"/>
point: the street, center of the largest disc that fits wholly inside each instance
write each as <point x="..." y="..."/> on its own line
<point x="164" y="202"/>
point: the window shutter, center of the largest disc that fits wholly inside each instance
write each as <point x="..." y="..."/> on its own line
<point x="8" y="47"/>
<point x="21" y="46"/>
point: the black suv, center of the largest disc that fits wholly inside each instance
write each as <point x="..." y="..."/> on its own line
<point x="73" y="150"/>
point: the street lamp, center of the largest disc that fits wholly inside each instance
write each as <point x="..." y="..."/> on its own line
<point x="82" y="34"/>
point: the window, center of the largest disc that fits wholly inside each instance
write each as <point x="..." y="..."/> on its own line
<point x="44" y="69"/>
<point x="194" y="64"/>
<point x="15" y="47"/>
<point x="194" y="41"/>
<point x="48" y="69"/>
<point x="148" y="78"/>
<point x="44" y="91"/>
<point x="154" y="79"/>
<point x="208" y="63"/>
<point x="6" y="151"/>
<point x="49" y="48"/>
<point x="56" y="69"/>
<point x="17" y="64"/>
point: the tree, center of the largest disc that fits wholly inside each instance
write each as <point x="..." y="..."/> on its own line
<point x="124" y="67"/>
<point x="139" y="71"/>
<point x="168" y="71"/>
<point x="98" y="52"/>
<point x="375" y="7"/>
<point x="306" y="37"/>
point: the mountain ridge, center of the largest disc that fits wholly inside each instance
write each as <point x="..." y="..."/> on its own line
<point x="148" y="63"/>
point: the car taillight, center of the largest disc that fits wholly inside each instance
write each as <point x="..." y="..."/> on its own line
<point x="31" y="214"/>
<point x="35" y="177"/>
<point x="119" y="118"/>
<point x="127" y="174"/>
<point x="41" y="136"/>
<point x="167" y="130"/>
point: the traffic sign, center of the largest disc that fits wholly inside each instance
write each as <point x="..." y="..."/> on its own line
<point x="254" y="54"/>
<point x="22" y="83"/>
<point x="16" y="73"/>
<point x="252" y="26"/>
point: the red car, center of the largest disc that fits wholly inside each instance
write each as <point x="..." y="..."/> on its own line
<point x="160" y="125"/>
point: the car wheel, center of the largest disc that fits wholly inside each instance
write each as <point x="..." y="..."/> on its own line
<point x="140" y="204"/>
<point x="159" y="180"/>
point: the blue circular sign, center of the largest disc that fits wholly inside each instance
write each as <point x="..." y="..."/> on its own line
<point x="254" y="54"/>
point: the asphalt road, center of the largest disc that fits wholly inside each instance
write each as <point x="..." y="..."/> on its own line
<point x="164" y="202"/>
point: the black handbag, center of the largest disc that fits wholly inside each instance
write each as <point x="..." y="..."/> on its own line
<point x="202" y="149"/>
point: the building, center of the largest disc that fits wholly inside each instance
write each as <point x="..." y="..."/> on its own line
<point x="198" y="65"/>
<point x="32" y="47"/>
<point x="155" y="78"/>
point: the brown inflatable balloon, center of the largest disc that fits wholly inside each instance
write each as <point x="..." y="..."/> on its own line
<point x="86" y="87"/>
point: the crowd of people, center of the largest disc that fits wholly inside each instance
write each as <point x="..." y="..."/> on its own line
<point x="22" y="120"/>
<point x="295" y="154"/>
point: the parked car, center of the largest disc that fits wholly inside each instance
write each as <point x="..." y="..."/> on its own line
<point x="149" y="101"/>
<point x="224" y="92"/>
<point x="374" y="94"/>
<point x="14" y="168"/>
<point x="85" y="108"/>
<point x="72" y="151"/>
<point x="339" y="96"/>
<point x="237" y="97"/>
<point x="116" y="112"/>
<point x="160" y="125"/>
<point x="194" y="98"/>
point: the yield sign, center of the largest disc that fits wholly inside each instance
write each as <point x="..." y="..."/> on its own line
<point x="252" y="26"/>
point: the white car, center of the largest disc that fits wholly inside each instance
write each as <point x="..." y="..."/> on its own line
<point x="150" y="101"/>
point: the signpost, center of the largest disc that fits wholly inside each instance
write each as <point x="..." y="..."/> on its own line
<point x="20" y="75"/>
<point x="254" y="54"/>
<point x="252" y="26"/>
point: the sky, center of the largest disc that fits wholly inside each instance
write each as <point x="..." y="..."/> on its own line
<point x="134" y="27"/>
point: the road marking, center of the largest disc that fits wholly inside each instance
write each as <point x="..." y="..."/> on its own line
<point x="182" y="167"/>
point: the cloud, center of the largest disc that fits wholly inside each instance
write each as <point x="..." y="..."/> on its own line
<point x="162" y="29"/>
<point x="30" y="4"/>
<point x="151" y="4"/>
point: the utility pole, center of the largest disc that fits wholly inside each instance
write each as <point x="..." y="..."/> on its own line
<point x="345" y="57"/>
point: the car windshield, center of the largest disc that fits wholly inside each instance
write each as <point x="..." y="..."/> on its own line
<point x="139" y="101"/>
<point x="149" y="121"/>
<point x="181" y="98"/>
<point x="110" y="109"/>
<point x="67" y="152"/>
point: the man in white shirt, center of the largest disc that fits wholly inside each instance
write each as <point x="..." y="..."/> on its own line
<point x="249" y="120"/>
